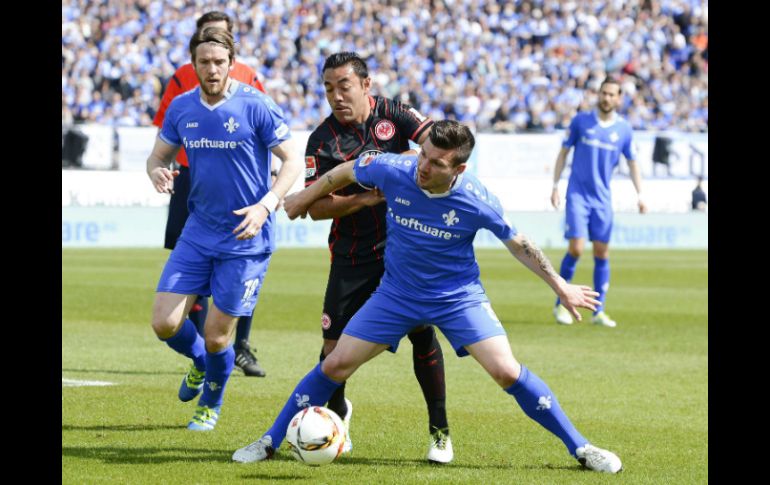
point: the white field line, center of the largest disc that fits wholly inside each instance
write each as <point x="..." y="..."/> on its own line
<point x="79" y="383"/>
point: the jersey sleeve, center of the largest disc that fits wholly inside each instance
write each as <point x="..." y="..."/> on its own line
<point x="408" y="120"/>
<point x="372" y="170"/>
<point x="168" y="131"/>
<point x="173" y="89"/>
<point x="572" y="134"/>
<point x="316" y="163"/>
<point x="629" y="149"/>
<point x="270" y="125"/>
<point x="493" y="218"/>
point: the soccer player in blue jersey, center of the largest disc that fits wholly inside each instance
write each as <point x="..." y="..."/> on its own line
<point x="599" y="138"/>
<point x="431" y="276"/>
<point x="228" y="130"/>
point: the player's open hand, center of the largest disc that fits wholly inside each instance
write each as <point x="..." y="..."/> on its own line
<point x="295" y="205"/>
<point x="642" y="207"/>
<point x="254" y="217"/>
<point x="578" y="296"/>
<point x="555" y="198"/>
<point x="163" y="180"/>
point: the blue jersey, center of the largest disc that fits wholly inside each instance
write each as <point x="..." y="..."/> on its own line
<point x="228" y="147"/>
<point x="598" y="146"/>
<point x="429" y="254"/>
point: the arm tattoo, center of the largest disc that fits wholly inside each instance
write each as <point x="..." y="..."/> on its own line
<point x="533" y="252"/>
<point x="330" y="179"/>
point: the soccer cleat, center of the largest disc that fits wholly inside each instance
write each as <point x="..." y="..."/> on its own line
<point x="348" y="443"/>
<point x="562" y="315"/>
<point x="246" y="361"/>
<point x="440" y="449"/>
<point x="598" y="460"/>
<point x="260" y="450"/>
<point x="604" y="320"/>
<point x="191" y="384"/>
<point x="205" y="418"/>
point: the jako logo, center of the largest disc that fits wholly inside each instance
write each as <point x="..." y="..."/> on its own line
<point x="415" y="224"/>
<point x="206" y="143"/>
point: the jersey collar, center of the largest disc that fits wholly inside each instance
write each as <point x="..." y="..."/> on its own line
<point x="456" y="184"/>
<point x="229" y="92"/>
<point x="606" y="124"/>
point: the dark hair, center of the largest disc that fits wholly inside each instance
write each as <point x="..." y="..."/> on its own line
<point x="213" y="34"/>
<point x="214" y="16"/>
<point x="453" y="135"/>
<point x="610" y="80"/>
<point x="339" y="59"/>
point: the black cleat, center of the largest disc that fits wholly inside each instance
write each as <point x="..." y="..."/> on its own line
<point x="246" y="361"/>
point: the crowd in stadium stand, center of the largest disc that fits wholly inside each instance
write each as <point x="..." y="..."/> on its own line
<point x="502" y="66"/>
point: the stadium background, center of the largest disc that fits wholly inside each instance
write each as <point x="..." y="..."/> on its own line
<point x="516" y="71"/>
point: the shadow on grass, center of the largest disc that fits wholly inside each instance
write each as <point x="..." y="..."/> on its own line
<point x="122" y="427"/>
<point x="146" y="455"/>
<point x="126" y="372"/>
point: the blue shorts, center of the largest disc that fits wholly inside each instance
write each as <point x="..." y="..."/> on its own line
<point x="233" y="281"/>
<point x="584" y="220"/>
<point x="386" y="318"/>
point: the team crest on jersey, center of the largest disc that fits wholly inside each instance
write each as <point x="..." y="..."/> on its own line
<point x="326" y="321"/>
<point x="231" y="125"/>
<point x="384" y="130"/>
<point x="614" y="137"/>
<point x="310" y="166"/>
<point x="365" y="160"/>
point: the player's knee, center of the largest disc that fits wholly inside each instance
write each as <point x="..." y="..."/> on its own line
<point x="505" y="376"/>
<point x="164" y="326"/>
<point x="336" y="368"/>
<point x="216" y="343"/>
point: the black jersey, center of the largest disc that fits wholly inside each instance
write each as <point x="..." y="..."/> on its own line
<point x="360" y="237"/>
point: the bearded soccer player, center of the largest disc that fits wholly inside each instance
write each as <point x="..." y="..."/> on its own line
<point x="183" y="80"/>
<point x="229" y="130"/>
<point x="599" y="138"/>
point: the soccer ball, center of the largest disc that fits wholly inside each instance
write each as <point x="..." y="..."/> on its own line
<point x="316" y="435"/>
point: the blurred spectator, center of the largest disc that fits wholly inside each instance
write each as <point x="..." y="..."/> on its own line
<point x="699" y="196"/>
<point x="499" y="65"/>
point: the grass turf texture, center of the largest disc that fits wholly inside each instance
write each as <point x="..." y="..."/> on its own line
<point x="640" y="390"/>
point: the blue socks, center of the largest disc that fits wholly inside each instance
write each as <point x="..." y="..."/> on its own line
<point x="188" y="343"/>
<point x="567" y="270"/>
<point x="314" y="389"/>
<point x="601" y="280"/>
<point x="219" y="366"/>
<point x="538" y="402"/>
<point x="243" y="328"/>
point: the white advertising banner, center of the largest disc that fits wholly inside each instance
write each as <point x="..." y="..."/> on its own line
<point x="145" y="227"/>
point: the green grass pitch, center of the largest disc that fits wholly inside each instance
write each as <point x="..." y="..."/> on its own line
<point x="640" y="389"/>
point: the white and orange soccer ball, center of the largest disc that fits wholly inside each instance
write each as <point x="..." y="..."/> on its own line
<point x="316" y="435"/>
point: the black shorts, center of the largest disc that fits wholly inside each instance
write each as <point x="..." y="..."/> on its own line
<point x="347" y="290"/>
<point x="177" y="208"/>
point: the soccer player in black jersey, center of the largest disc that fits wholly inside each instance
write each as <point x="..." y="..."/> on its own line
<point x="362" y="123"/>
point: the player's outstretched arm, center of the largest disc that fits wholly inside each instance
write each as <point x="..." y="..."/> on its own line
<point x="291" y="166"/>
<point x="158" y="164"/>
<point x="636" y="178"/>
<point x="333" y="206"/>
<point x="561" y="161"/>
<point x="297" y="204"/>
<point x="254" y="216"/>
<point x="572" y="296"/>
